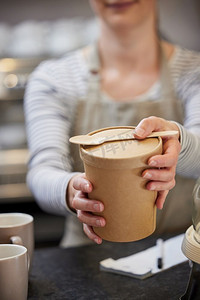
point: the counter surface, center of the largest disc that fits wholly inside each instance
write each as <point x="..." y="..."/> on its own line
<point x="74" y="274"/>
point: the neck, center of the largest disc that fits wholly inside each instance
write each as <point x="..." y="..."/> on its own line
<point x="123" y="49"/>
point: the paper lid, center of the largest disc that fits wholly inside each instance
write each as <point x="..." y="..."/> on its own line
<point x="119" y="150"/>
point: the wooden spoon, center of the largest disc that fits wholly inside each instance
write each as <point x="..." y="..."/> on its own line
<point x="97" y="140"/>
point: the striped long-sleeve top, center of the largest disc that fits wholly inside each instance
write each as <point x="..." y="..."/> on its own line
<point x="49" y="106"/>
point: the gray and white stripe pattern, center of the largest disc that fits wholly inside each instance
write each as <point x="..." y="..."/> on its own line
<point x="49" y="106"/>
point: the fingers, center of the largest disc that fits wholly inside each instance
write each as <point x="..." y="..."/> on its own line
<point x="86" y="208"/>
<point x="161" y="199"/>
<point x="150" y="124"/>
<point x="171" y="150"/>
<point x="81" y="202"/>
<point x="80" y="183"/>
<point x="91" y="235"/>
<point x="160" y="185"/>
<point x="90" y="219"/>
<point x="171" y="145"/>
<point x="161" y="176"/>
<point x="160" y="179"/>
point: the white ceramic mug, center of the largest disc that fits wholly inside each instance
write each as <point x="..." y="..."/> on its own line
<point x="17" y="228"/>
<point x="13" y="272"/>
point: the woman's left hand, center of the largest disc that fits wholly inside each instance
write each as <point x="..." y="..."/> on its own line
<point x="162" y="175"/>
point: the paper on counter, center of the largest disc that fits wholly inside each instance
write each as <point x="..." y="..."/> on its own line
<point x="144" y="264"/>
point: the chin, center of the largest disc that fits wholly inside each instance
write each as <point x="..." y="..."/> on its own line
<point x="121" y="17"/>
<point x="121" y="22"/>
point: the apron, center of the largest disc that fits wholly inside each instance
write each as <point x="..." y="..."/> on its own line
<point x="97" y="111"/>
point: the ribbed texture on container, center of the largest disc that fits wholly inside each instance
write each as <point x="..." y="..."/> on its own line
<point x="190" y="247"/>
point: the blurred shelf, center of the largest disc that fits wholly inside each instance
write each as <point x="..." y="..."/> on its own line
<point x="13" y="157"/>
<point x="14" y="12"/>
<point x="14" y="74"/>
<point x="17" y="192"/>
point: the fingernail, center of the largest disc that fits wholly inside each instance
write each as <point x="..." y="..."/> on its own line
<point x="139" y="131"/>
<point x="153" y="163"/>
<point x="97" y="241"/>
<point x="101" y="207"/>
<point x="87" y="186"/>
<point x="98" y="207"/>
<point x="152" y="188"/>
<point x="98" y="222"/>
<point x="147" y="176"/>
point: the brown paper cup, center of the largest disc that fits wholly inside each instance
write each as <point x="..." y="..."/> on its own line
<point x="114" y="169"/>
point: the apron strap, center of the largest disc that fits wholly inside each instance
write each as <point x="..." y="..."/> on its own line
<point x="94" y="80"/>
<point x="93" y="59"/>
<point x="167" y="86"/>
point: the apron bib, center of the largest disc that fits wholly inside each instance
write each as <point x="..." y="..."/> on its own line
<point x="96" y="111"/>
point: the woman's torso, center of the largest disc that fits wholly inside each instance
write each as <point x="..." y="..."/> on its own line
<point x="97" y="110"/>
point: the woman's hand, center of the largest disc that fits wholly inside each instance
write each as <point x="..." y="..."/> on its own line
<point x="162" y="176"/>
<point x="78" y="201"/>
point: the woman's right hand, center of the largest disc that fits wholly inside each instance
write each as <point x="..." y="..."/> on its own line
<point x="77" y="195"/>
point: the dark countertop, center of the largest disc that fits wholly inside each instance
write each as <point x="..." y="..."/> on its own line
<point x="74" y="274"/>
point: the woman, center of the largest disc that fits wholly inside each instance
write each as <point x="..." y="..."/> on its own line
<point x="128" y="77"/>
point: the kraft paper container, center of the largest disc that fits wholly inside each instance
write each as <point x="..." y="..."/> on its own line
<point x="114" y="169"/>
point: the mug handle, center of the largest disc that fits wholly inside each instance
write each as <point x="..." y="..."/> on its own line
<point x="18" y="241"/>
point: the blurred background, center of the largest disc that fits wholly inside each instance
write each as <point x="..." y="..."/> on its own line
<point x="30" y="32"/>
